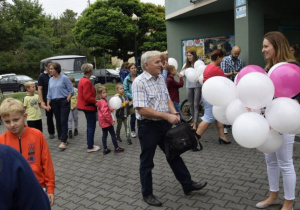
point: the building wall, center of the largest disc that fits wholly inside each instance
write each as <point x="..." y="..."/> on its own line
<point x="173" y="6"/>
<point x="196" y="27"/>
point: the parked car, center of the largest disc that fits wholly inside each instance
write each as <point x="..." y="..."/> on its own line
<point x="104" y="75"/>
<point x="11" y="82"/>
<point x="77" y="76"/>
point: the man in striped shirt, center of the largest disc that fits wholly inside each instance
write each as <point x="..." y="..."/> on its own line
<point x="156" y="114"/>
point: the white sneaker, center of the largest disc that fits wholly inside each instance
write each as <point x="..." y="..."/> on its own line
<point x="133" y="134"/>
<point x="96" y="148"/>
<point x="225" y="130"/>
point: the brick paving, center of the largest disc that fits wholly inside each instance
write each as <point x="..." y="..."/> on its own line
<point x="236" y="176"/>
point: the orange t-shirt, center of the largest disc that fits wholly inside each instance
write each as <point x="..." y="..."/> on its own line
<point x="35" y="150"/>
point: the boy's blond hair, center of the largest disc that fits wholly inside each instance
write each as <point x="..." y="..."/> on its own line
<point x="72" y="79"/>
<point x="28" y="84"/>
<point x="11" y="105"/>
<point x="118" y="85"/>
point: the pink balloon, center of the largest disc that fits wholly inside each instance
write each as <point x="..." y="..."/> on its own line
<point x="248" y="69"/>
<point x="286" y="79"/>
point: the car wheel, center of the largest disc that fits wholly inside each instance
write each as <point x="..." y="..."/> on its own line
<point x="22" y="88"/>
<point x="114" y="81"/>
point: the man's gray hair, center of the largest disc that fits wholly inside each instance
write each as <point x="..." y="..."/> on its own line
<point x="147" y="56"/>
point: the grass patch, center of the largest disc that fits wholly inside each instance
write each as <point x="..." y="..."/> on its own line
<point x="111" y="88"/>
<point x="18" y="96"/>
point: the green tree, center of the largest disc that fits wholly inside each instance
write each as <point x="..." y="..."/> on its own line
<point x="107" y="26"/>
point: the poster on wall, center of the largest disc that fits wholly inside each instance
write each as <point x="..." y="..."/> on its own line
<point x="205" y="46"/>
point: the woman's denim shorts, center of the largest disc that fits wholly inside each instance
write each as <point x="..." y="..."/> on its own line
<point x="208" y="115"/>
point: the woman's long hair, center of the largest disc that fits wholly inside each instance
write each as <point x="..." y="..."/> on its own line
<point x="282" y="49"/>
<point x="189" y="64"/>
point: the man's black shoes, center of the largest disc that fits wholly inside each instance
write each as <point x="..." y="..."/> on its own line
<point x="151" y="200"/>
<point x="194" y="186"/>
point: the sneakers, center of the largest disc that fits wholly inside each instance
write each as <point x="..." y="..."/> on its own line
<point x="119" y="139"/>
<point x="51" y="136"/>
<point x="70" y="134"/>
<point x="133" y="134"/>
<point x="129" y="142"/>
<point x="225" y="131"/>
<point x="62" y="146"/>
<point x="119" y="149"/>
<point x="75" y="132"/>
<point x="96" y="148"/>
<point x="106" y="151"/>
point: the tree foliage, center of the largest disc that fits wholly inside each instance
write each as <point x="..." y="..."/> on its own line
<point x="29" y="35"/>
<point x="107" y="26"/>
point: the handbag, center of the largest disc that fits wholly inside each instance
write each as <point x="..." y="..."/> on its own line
<point x="179" y="140"/>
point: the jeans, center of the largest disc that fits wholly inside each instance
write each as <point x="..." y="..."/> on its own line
<point x="194" y="96"/>
<point x="176" y="105"/>
<point x="132" y="122"/>
<point x="112" y="133"/>
<point x="61" y="110"/>
<point x="152" y="134"/>
<point x="282" y="161"/>
<point x="50" y="124"/>
<point x="73" y="116"/>
<point x="208" y="114"/>
<point x="90" y="117"/>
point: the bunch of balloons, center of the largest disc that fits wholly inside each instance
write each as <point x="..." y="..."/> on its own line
<point x="192" y="74"/>
<point x="258" y="120"/>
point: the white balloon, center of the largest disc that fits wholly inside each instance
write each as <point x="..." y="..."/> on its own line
<point x="219" y="113"/>
<point x="115" y="102"/>
<point x="201" y="79"/>
<point x="235" y="79"/>
<point x="283" y="115"/>
<point x="255" y="90"/>
<point x="273" y="142"/>
<point x="219" y="91"/>
<point x="198" y="63"/>
<point x="200" y="70"/>
<point x="172" y="61"/>
<point x="235" y="109"/>
<point x="274" y="67"/>
<point x="250" y="130"/>
<point x="191" y="75"/>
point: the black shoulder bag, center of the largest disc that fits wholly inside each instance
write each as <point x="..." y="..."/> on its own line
<point x="180" y="139"/>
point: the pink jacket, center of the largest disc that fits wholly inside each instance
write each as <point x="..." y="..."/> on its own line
<point x="104" y="114"/>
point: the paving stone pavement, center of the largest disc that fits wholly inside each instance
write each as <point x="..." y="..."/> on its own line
<point x="236" y="176"/>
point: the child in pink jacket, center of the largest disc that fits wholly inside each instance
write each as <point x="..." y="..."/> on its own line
<point x="106" y="121"/>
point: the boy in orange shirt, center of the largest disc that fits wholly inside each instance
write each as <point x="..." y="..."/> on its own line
<point x="30" y="142"/>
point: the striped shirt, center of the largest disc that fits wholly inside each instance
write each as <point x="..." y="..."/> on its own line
<point x="148" y="91"/>
<point x="229" y="65"/>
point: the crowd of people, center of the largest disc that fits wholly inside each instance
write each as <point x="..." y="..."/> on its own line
<point x="151" y="99"/>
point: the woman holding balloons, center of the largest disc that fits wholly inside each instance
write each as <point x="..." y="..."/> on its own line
<point x="276" y="50"/>
<point x="193" y="88"/>
<point x="212" y="70"/>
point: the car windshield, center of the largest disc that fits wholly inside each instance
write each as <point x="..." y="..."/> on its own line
<point x="23" y="77"/>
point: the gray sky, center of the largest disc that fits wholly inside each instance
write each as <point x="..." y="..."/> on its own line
<point x="57" y="7"/>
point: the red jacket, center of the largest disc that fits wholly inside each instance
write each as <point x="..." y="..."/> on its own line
<point x="35" y="150"/>
<point x="86" y="95"/>
<point x="104" y="114"/>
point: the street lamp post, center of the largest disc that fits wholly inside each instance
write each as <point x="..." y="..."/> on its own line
<point x="135" y="19"/>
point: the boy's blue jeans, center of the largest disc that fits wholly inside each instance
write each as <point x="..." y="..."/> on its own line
<point x="176" y="105"/>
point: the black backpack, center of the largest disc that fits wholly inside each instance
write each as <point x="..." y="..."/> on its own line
<point x="180" y="139"/>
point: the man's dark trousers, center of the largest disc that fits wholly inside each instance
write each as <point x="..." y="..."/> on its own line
<point x="152" y="133"/>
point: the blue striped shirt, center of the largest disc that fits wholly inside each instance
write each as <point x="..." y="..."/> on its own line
<point x="59" y="88"/>
<point x="148" y="91"/>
